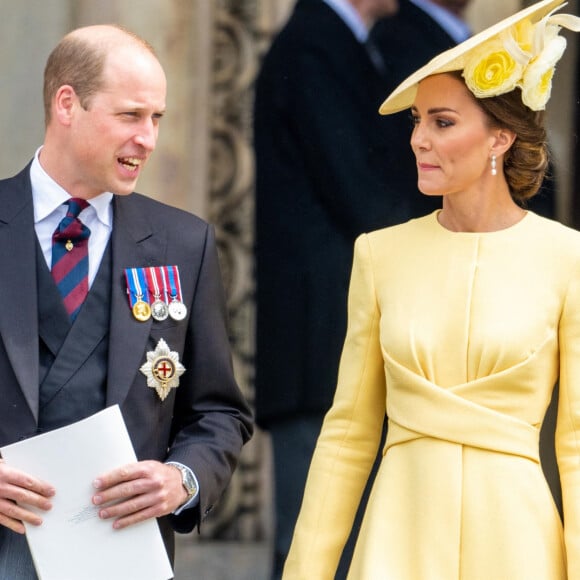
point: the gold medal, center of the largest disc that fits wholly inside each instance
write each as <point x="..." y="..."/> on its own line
<point x="141" y="310"/>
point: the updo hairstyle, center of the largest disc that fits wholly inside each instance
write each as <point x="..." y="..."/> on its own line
<point x="526" y="162"/>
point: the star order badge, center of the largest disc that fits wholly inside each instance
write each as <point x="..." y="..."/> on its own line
<point x="162" y="369"/>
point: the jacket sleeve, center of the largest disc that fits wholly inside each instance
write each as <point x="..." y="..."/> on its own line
<point x="350" y="436"/>
<point x="568" y="422"/>
<point x="212" y="420"/>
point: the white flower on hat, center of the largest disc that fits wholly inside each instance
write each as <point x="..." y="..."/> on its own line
<point x="537" y="80"/>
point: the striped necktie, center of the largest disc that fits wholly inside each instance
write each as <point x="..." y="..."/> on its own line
<point x="70" y="257"/>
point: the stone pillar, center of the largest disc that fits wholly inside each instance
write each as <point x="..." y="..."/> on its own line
<point x="483" y="13"/>
<point x="27" y="34"/>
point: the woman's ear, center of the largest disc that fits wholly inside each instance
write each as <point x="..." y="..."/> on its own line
<point x="504" y="139"/>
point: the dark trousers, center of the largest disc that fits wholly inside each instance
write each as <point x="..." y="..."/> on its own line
<point x="293" y="443"/>
<point x="15" y="558"/>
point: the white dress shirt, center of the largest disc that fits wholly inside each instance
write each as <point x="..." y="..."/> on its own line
<point x="48" y="198"/>
<point x="351" y="18"/>
<point x="457" y="28"/>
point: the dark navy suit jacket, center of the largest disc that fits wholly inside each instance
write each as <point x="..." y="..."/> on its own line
<point x="204" y="422"/>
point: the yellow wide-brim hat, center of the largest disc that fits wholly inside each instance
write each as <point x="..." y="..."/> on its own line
<point x="506" y="54"/>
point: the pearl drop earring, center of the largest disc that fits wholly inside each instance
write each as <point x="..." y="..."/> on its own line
<point x="493" y="164"/>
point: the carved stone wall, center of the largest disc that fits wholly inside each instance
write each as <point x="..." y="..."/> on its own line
<point x="230" y="209"/>
<point x="242" y="31"/>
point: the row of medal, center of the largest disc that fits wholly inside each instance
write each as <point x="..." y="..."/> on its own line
<point x="155" y="292"/>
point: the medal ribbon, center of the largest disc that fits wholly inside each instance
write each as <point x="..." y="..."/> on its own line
<point x="153" y="283"/>
<point x="174" y="283"/>
<point x="165" y="280"/>
<point x="136" y="286"/>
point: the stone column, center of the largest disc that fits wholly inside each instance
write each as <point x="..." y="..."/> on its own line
<point x="28" y="31"/>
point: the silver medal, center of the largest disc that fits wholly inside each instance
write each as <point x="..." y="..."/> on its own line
<point x="159" y="310"/>
<point x="177" y="310"/>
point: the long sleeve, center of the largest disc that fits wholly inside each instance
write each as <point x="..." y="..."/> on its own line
<point x="349" y="439"/>
<point x="568" y="425"/>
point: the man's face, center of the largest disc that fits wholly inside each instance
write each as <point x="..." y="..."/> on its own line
<point x="112" y="139"/>
<point x="455" y="6"/>
<point x="384" y="8"/>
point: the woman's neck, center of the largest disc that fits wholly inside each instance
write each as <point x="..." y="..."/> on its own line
<point x="489" y="214"/>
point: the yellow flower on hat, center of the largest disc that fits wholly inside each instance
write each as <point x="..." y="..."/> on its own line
<point x="491" y="70"/>
<point x="523" y="56"/>
<point x="537" y="80"/>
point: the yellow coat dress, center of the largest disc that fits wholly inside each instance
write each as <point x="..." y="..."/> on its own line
<point x="459" y="338"/>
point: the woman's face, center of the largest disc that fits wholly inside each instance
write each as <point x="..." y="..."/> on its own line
<point x="451" y="139"/>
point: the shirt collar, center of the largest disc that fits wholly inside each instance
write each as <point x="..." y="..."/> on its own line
<point x="351" y="18"/>
<point x="457" y="28"/>
<point x="47" y="195"/>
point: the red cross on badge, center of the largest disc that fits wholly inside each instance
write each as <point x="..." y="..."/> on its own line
<point x="162" y="369"/>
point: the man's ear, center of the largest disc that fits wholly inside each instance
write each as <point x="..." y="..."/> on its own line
<point x="64" y="103"/>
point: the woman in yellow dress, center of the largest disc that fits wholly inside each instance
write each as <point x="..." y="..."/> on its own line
<point x="460" y="324"/>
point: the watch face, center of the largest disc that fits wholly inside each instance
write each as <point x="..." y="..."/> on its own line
<point x="189" y="482"/>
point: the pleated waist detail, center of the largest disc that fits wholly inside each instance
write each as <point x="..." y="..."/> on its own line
<point x="419" y="408"/>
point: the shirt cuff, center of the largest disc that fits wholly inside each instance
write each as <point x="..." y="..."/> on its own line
<point x="192" y="501"/>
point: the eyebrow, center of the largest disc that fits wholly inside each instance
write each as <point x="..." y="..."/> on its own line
<point x="437" y="110"/>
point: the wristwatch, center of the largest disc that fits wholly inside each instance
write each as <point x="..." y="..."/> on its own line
<point x="187" y="479"/>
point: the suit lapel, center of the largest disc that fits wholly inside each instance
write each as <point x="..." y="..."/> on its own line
<point x="19" y="315"/>
<point x="135" y="243"/>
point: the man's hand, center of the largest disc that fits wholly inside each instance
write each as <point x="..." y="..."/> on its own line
<point x="17" y="486"/>
<point x="139" y="491"/>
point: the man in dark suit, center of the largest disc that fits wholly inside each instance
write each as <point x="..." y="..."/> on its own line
<point x="417" y="32"/>
<point x="327" y="171"/>
<point x="150" y="335"/>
